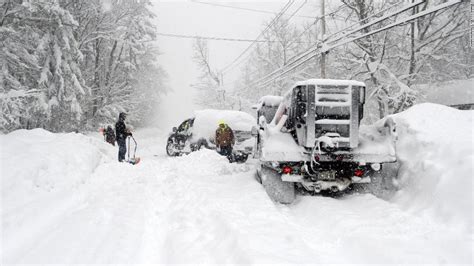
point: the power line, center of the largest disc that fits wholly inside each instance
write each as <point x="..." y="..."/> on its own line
<point x="298" y="9"/>
<point x="183" y="36"/>
<point x="414" y="4"/>
<point x="283" y="10"/>
<point x="311" y="53"/>
<point x="313" y="24"/>
<point x="268" y="41"/>
<point x="301" y="34"/>
<point x="243" y="8"/>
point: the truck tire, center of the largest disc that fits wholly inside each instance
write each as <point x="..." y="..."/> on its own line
<point x="277" y="190"/>
<point x="170" y="150"/>
<point x="241" y="158"/>
<point x="258" y="174"/>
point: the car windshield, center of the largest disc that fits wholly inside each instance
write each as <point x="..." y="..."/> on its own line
<point x="185" y="125"/>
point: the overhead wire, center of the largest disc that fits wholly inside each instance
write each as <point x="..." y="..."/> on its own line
<point x="412" y="17"/>
<point x="314" y="23"/>
<point x="243" y="8"/>
<point x="283" y="10"/>
<point x="268" y="41"/>
<point x="312" y="52"/>
<point x="184" y="36"/>
<point x="293" y="60"/>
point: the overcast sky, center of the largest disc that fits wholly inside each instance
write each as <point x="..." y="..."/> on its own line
<point x="192" y="18"/>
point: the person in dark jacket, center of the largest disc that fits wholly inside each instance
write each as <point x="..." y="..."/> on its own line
<point x="109" y="135"/>
<point x="224" y="139"/>
<point x="121" y="134"/>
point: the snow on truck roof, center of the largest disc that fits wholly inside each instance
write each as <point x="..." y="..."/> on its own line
<point x="206" y="121"/>
<point x="330" y="82"/>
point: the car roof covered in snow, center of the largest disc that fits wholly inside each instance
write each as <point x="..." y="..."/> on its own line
<point x="330" y="82"/>
<point x="269" y="100"/>
<point x="206" y="121"/>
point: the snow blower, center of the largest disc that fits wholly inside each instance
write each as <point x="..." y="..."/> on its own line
<point x="134" y="160"/>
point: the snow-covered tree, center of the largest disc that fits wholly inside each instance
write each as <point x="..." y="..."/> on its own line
<point x="429" y="49"/>
<point x="41" y="80"/>
<point x="282" y="41"/>
<point x="392" y="61"/>
<point x="211" y="92"/>
<point x="18" y="67"/>
<point x="74" y="64"/>
<point x="59" y="57"/>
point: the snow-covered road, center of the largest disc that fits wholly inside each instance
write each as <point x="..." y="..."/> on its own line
<point x="192" y="209"/>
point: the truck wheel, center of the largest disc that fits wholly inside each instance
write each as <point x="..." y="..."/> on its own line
<point x="258" y="174"/>
<point x="170" y="148"/>
<point x="241" y="158"/>
<point x="277" y="190"/>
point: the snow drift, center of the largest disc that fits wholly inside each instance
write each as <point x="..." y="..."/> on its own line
<point x="435" y="151"/>
<point x="40" y="170"/>
<point x="47" y="161"/>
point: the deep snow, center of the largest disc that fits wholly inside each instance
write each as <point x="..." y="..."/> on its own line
<point x="66" y="200"/>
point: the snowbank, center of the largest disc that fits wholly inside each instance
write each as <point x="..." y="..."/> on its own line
<point x="39" y="174"/>
<point x="47" y="161"/>
<point x="436" y="155"/>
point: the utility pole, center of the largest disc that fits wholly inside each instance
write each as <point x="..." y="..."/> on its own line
<point x="323" y="33"/>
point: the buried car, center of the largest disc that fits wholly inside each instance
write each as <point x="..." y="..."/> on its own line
<point x="199" y="131"/>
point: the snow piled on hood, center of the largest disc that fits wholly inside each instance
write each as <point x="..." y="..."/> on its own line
<point x="436" y="154"/>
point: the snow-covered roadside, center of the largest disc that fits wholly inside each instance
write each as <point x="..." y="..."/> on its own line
<point x="435" y="149"/>
<point x="40" y="174"/>
<point x="201" y="209"/>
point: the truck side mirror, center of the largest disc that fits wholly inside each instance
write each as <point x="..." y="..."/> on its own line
<point x="175" y="129"/>
<point x="254" y="131"/>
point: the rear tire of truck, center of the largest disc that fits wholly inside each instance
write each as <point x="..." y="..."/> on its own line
<point x="258" y="174"/>
<point x="278" y="190"/>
